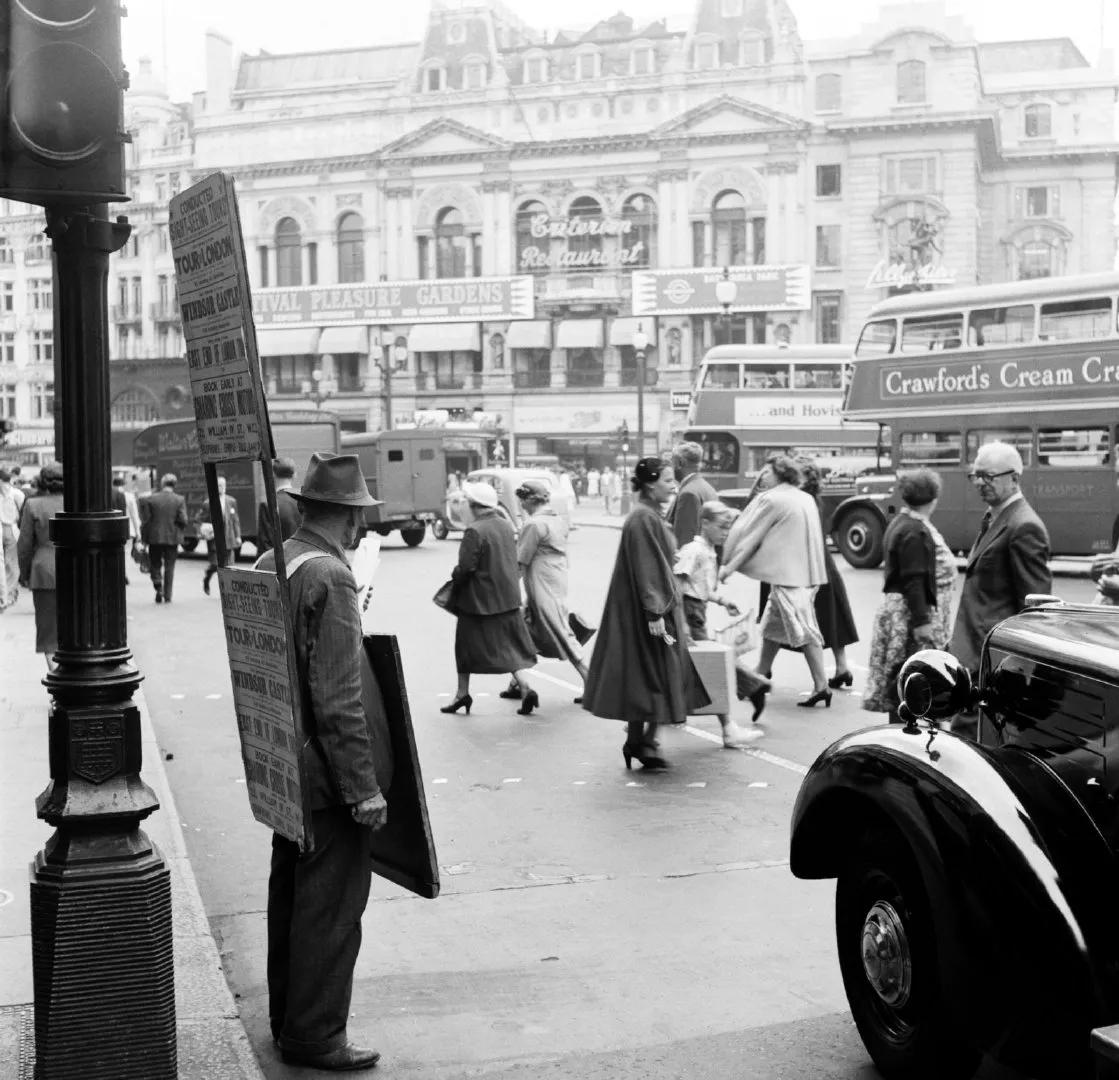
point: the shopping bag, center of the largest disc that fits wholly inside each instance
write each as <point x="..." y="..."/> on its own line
<point x="445" y="597"/>
<point x="741" y="634"/>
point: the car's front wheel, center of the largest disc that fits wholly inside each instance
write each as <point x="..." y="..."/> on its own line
<point x="888" y="958"/>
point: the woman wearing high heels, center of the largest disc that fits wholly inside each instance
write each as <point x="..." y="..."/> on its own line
<point x="640" y="671"/>
<point x="491" y="637"/>
<point x="542" y="557"/>
<point x="778" y="539"/>
<point x="920" y="576"/>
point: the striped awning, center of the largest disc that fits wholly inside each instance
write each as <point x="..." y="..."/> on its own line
<point x="529" y="334"/>
<point x="288" y="341"/>
<point x="344" y="339"/>
<point x="444" y="337"/>
<point x="579" y="334"/>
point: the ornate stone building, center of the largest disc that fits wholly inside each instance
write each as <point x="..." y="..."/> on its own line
<point x="491" y="213"/>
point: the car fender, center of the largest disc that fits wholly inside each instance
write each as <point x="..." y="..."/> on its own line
<point x="878" y="504"/>
<point x="993" y="883"/>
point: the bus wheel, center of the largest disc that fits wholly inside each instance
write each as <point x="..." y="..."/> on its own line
<point x="439" y="529"/>
<point x="190" y="543"/>
<point x="413" y="536"/>
<point x="859" y="538"/>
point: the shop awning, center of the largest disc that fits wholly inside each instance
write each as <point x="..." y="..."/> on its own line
<point x="344" y="339"/>
<point x="444" y="337"/>
<point x="288" y="341"/>
<point x="579" y="334"/>
<point x="529" y="334"/>
<point x="621" y="330"/>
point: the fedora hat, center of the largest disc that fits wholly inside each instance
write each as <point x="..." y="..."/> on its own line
<point x="480" y="493"/>
<point x="336" y="478"/>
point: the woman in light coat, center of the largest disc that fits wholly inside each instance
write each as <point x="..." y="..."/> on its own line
<point x="36" y="558"/>
<point x="778" y="540"/>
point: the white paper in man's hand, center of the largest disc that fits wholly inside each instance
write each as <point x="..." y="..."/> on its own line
<point x="364" y="560"/>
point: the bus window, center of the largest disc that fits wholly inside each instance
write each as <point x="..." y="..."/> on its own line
<point x="935" y="448"/>
<point x="806" y="377"/>
<point x="722" y="377"/>
<point x="1076" y="319"/>
<point x="720" y="451"/>
<point x="1001" y="326"/>
<point x="765" y="376"/>
<point x="1021" y="439"/>
<point x="1073" y="449"/>
<point x="929" y="333"/>
<point x="877" y="338"/>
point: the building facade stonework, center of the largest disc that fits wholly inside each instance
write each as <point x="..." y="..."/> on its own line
<point x="608" y="177"/>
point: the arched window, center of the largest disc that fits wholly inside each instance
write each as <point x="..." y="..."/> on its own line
<point x="585" y="210"/>
<point x="588" y="64"/>
<point x="1038" y="121"/>
<point x="640" y="213"/>
<point x="452" y="248"/>
<point x="535" y="69"/>
<point x="434" y="77"/>
<point x="911" y="82"/>
<point x="289" y="253"/>
<point x="829" y="93"/>
<point x="705" y="54"/>
<point x="134" y="408"/>
<point x="532" y="251"/>
<point x="1038" y="259"/>
<point x="351" y="249"/>
<point x="475" y="74"/>
<point x="728" y="226"/>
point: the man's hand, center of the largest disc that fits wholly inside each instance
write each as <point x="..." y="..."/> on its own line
<point x="656" y="627"/>
<point x="373" y="811"/>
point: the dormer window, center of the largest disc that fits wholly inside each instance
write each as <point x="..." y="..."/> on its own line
<point x="435" y="78"/>
<point x="474" y="74"/>
<point x="911" y="82"/>
<point x="536" y="69"/>
<point x="588" y="65"/>
<point x="642" y="60"/>
<point x="705" y="56"/>
<point x="1038" y="121"/>
<point x="751" y="50"/>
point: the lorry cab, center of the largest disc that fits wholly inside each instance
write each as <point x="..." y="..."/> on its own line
<point x="977" y="882"/>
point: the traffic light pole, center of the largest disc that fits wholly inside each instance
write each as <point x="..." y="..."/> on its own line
<point x="100" y="892"/>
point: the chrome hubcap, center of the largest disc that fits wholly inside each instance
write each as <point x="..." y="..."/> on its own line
<point x="885" y="952"/>
<point x="856" y="537"/>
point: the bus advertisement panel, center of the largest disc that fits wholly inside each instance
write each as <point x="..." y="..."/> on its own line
<point x="1032" y="363"/>
<point x="753" y="401"/>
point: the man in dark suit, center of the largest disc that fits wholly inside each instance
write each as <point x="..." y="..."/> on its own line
<point x="163" y="518"/>
<point x="316" y="898"/>
<point x="1008" y="561"/>
<point x="287" y="506"/>
<point x="693" y="491"/>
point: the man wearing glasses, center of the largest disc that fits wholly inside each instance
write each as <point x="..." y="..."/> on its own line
<point x="1008" y="561"/>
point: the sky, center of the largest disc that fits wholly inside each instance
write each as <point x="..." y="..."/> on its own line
<point x="172" y="32"/>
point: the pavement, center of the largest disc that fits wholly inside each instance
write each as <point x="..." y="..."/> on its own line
<point x="212" y="1044"/>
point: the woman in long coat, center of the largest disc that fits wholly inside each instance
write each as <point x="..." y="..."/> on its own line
<point x="640" y="671"/>
<point x="491" y="637"/>
<point x="36" y="558"/>
<point x="542" y="557"/>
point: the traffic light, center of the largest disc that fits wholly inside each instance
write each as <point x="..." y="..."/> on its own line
<point x="61" y="102"/>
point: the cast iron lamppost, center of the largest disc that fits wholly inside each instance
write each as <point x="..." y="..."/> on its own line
<point x="725" y="293"/>
<point x="318" y="388"/>
<point x="640" y="344"/>
<point x="389" y="367"/>
<point x="623" y="436"/>
<point x="101" y="935"/>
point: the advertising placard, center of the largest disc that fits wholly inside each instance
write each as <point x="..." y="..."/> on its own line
<point x="214" y="301"/>
<point x="767" y="410"/>
<point x="465" y="300"/>
<point x="692" y="291"/>
<point x="263" y="695"/>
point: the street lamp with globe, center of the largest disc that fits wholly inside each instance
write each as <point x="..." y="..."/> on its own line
<point x="623" y="435"/>
<point x="395" y="354"/>
<point x="640" y="344"/>
<point x="726" y="291"/>
<point x="318" y="388"/>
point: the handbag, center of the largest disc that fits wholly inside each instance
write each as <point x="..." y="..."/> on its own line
<point x="741" y="634"/>
<point x="445" y="597"/>
<point x="141" y="557"/>
<point x="580" y="628"/>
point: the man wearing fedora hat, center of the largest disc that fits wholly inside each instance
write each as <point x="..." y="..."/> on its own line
<point x="316" y="899"/>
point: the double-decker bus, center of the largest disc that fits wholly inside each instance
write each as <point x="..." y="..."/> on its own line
<point x="1032" y="363"/>
<point x="753" y="401"/>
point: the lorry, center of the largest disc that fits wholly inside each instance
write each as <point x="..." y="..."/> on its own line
<point x="172" y="447"/>
<point x="407" y="470"/>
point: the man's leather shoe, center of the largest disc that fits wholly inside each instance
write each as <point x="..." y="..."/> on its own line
<point x="348" y="1058"/>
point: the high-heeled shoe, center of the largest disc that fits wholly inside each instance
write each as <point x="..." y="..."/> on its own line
<point x="648" y="758"/>
<point x="841" y="678"/>
<point x="531" y="701"/>
<point x="820" y="695"/>
<point x="512" y="692"/>
<point x="757" y="699"/>
<point x="463" y="702"/>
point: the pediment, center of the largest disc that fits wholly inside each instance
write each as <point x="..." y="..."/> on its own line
<point x="442" y="137"/>
<point x="728" y="115"/>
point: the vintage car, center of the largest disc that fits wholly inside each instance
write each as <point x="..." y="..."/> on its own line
<point x="977" y="901"/>
<point x="505" y="482"/>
